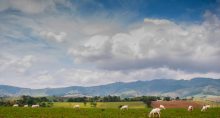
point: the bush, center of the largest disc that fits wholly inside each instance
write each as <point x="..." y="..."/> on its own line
<point x="167" y="98"/>
<point x="148" y="99"/>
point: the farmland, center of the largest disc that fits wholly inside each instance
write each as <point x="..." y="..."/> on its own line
<point x="108" y="110"/>
<point x="133" y="105"/>
<point x="9" y="112"/>
<point x="177" y="104"/>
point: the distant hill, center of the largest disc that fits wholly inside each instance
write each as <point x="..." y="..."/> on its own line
<point x="182" y="88"/>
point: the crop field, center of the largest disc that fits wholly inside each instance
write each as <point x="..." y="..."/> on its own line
<point x="10" y="112"/>
<point x="100" y="104"/>
<point x="214" y="102"/>
<point x="177" y="104"/>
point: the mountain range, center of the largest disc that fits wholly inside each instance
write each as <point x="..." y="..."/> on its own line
<point x="159" y="87"/>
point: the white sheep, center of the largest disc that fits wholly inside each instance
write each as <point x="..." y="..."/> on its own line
<point x="35" y="106"/>
<point x="26" y="105"/>
<point x="15" y="105"/>
<point x="154" y="111"/>
<point x="124" y="107"/>
<point x="76" y="106"/>
<point x="162" y="107"/>
<point x="190" y="108"/>
<point x="208" y="106"/>
<point x="205" y="107"/>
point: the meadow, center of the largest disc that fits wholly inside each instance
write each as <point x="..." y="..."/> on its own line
<point x="10" y="112"/>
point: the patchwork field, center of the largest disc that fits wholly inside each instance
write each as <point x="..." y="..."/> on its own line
<point x="9" y="112"/>
<point x="214" y="102"/>
<point x="177" y="104"/>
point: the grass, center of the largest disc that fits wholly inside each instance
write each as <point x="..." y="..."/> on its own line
<point x="9" y="112"/>
<point x="100" y="104"/>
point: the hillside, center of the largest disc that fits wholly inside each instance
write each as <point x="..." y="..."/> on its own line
<point x="182" y="88"/>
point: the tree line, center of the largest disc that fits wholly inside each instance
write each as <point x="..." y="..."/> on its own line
<point x="48" y="101"/>
<point x="26" y="100"/>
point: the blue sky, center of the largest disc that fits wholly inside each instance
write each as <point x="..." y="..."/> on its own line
<point x="190" y="10"/>
<point x="57" y="43"/>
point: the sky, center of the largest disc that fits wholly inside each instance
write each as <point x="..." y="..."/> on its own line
<point x="59" y="43"/>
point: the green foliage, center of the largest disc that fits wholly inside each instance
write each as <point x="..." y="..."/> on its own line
<point x="148" y="99"/>
<point x="167" y="98"/>
<point x="93" y="104"/>
<point x="111" y="99"/>
<point x="77" y="99"/>
<point x="177" y="98"/>
<point x="46" y="104"/>
<point x="84" y="102"/>
<point x="26" y="100"/>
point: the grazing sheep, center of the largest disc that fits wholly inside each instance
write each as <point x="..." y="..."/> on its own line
<point x="205" y="107"/>
<point x="35" y="106"/>
<point x="190" y="108"/>
<point x="15" y="105"/>
<point x="26" y="105"/>
<point x="76" y="106"/>
<point x="208" y="106"/>
<point x="162" y="107"/>
<point x="124" y="107"/>
<point x="154" y="111"/>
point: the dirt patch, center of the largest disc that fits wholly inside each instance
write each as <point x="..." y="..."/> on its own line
<point x="175" y="104"/>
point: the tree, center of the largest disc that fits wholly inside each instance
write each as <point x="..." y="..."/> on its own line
<point x="148" y="99"/>
<point x="111" y="99"/>
<point x="84" y="102"/>
<point x="177" y="98"/>
<point x="167" y="98"/>
<point x="93" y="104"/>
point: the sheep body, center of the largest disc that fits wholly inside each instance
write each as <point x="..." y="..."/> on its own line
<point x="124" y="107"/>
<point x="15" y="105"/>
<point x="76" y="106"/>
<point x="190" y="108"/>
<point x="35" y="106"/>
<point x="155" y="111"/>
<point x="205" y="107"/>
<point x="26" y="105"/>
<point x="162" y="107"/>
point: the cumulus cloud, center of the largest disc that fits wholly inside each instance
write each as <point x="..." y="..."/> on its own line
<point x="15" y="64"/>
<point x="59" y="37"/>
<point x="157" y="43"/>
<point x="26" y="6"/>
<point x="103" y="48"/>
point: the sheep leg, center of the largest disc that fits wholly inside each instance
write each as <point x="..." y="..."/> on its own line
<point x="159" y="115"/>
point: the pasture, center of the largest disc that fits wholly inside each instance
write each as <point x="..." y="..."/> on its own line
<point x="99" y="104"/>
<point x="10" y="112"/>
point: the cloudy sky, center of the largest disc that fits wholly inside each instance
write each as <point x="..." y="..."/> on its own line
<point x="57" y="43"/>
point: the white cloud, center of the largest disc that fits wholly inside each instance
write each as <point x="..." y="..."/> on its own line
<point x="15" y="65"/>
<point x="32" y="6"/>
<point x="104" y="51"/>
<point x="27" y="6"/>
<point x="157" y="21"/>
<point x="88" y="77"/>
<point x="59" y="37"/>
<point x="157" y="43"/>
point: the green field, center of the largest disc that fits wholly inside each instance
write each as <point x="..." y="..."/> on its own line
<point x="102" y="110"/>
<point x="100" y="104"/>
<point x="9" y="112"/>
